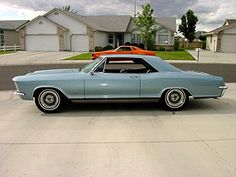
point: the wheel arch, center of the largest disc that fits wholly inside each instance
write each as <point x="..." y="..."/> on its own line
<point x="187" y="92"/>
<point x="40" y="88"/>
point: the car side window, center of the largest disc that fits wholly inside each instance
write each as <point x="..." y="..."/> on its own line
<point x="100" y="68"/>
<point x="127" y="65"/>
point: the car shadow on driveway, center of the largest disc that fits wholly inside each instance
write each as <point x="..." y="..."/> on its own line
<point x="119" y="109"/>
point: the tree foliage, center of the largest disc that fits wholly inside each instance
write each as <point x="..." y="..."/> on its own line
<point x="69" y="9"/>
<point x="188" y="25"/>
<point x="146" y="24"/>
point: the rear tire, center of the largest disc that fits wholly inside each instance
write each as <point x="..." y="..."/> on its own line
<point x="49" y="100"/>
<point x="175" y="99"/>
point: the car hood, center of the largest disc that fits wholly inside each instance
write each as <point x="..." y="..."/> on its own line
<point x="54" y="71"/>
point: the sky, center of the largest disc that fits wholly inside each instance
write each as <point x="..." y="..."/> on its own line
<point x="211" y="13"/>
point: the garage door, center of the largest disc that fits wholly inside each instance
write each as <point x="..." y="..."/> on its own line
<point x="42" y="43"/>
<point x="80" y="43"/>
<point x="228" y="43"/>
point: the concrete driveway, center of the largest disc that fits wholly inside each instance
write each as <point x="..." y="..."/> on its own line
<point x="28" y="57"/>
<point x="119" y="140"/>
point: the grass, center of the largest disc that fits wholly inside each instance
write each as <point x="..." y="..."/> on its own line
<point x="175" y="55"/>
<point x="83" y="56"/>
<point x="165" y="55"/>
<point x="6" y="52"/>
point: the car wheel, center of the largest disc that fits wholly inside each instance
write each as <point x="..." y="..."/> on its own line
<point x="175" y="99"/>
<point x="49" y="101"/>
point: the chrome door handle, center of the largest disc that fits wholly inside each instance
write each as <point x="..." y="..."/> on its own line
<point x="133" y="77"/>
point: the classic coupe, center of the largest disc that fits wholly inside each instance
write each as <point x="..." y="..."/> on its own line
<point x="118" y="77"/>
<point x="124" y="50"/>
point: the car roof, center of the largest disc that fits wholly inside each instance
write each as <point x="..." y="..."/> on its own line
<point x="155" y="61"/>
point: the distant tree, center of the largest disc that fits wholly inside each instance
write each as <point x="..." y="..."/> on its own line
<point x="188" y="25"/>
<point x="69" y="9"/>
<point x="146" y="24"/>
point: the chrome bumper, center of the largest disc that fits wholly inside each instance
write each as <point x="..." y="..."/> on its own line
<point x="18" y="93"/>
<point x="223" y="88"/>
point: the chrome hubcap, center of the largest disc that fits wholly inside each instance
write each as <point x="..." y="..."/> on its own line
<point x="49" y="99"/>
<point x="175" y="98"/>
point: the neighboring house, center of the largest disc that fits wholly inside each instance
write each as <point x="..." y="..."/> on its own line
<point x="59" y="30"/>
<point x="8" y="34"/>
<point x="223" y="39"/>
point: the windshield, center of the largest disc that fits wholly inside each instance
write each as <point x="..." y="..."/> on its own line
<point x="91" y="65"/>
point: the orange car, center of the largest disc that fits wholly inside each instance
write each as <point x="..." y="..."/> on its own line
<point x="123" y="50"/>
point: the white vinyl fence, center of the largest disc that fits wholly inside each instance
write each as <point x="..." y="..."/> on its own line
<point x="7" y="48"/>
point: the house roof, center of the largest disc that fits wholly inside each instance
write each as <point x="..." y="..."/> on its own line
<point x="167" y="22"/>
<point x="11" y="24"/>
<point x="111" y="23"/>
<point x="41" y="17"/>
<point x="229" y="21"/>
<point x="222" y="28"/>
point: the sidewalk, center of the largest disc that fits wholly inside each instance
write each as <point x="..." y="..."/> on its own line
<point x="34" y="58"/>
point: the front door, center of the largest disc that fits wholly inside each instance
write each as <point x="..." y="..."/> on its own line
<point x="112" y="85"/>
<point x="119" y="39"/>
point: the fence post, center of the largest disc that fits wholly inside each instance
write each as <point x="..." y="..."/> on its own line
<point x="15" y="47"/>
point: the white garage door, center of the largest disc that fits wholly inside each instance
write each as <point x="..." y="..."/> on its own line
<point x="42" y="43"/>
<point x="80" y="43"/>
<point x="228" y="43"/>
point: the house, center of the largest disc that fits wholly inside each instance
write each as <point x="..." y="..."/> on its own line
<point x="58" y="30"/>
<point x="223" y="39"/>
<point x="8" y="34"/>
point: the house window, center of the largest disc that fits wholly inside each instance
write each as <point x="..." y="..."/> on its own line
<point x="2" y="41"/>
<point x="136" y="38"/>
<point x="162" y="39"/>
<point x="110" y="39"/>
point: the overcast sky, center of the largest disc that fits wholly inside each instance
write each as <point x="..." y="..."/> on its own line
<point x="211" y="13"/>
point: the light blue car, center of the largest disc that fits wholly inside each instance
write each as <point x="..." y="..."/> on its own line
<point x="118" y="77"/>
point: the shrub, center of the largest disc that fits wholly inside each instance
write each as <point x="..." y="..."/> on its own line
<point x="162" y="49"/>
<point x="176" y="45"/>
<point x="108" y="47"/>
<point x="127" y="43"/>
<point x="98" y="48"/>
<point x="203" y="44"/>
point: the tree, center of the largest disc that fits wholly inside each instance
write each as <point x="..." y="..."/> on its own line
<point x="188" y="25"/>
<point x="69" y="9"/>
<point x="146" y="24"/>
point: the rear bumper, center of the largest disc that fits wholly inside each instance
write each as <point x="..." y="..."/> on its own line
<point x="223" y="89"/>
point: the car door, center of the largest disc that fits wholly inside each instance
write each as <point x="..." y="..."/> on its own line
<point x="112" y="85"/>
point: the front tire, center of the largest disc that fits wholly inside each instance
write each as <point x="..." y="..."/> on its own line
<point x="49" y="101"/>
<point x="175" y="99"/>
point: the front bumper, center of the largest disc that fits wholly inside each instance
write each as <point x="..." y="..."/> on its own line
<point x="18" y="93"/>
<point x="223" y="89"/>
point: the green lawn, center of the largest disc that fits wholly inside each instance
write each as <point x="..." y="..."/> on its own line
<point x="165" y="55"/>
<point x="83" y="56"/>
<point x="6" y="52"/>
<point x="175" y="55"/>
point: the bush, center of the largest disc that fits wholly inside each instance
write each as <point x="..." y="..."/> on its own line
<point x="98" y="48"/>
<point x="203" y="44"/>
<point x="127" y="43"/>
<point x="108" y="47"/>
<point x="141" y="46"/>
<point x="176" y="45"/>
<point x="162" y="49"/>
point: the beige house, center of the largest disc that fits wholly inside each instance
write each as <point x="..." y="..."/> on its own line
<point x="8" y="34"/>
<point x="223" y="39"/>
<point x="58" y="30"/>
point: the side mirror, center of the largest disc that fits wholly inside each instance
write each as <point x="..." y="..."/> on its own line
<point x="92" y="73"/>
